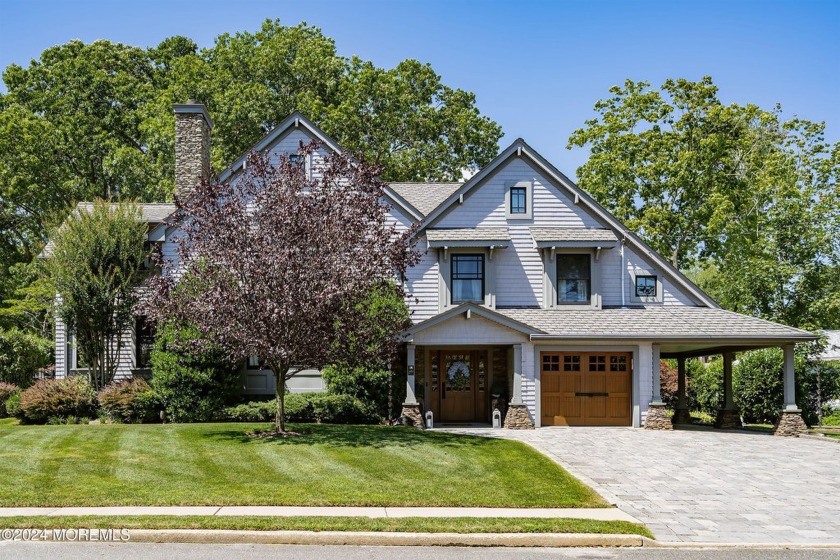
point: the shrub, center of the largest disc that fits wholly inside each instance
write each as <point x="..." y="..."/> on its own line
<point x="255" y="411"/>
<point x="7" y="390"/>
<point x="368" y="385"/>
<point x="58" y="399"/>
<point x="758" y="382"/>
<point x="305" y="408"/>
<point x="705" y="387"/>
<point x="193" y="380"/>
<point x="12" y="405"/>
<point x="22" y="354"/>
<point x="132" y="401"/>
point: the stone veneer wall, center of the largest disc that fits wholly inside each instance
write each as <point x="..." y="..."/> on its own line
<point x="192" y="151"/>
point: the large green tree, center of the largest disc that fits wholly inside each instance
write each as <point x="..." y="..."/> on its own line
<point x="95" y="120"/>
<point x="95" y="265"/>
<point x="745" y="201"/>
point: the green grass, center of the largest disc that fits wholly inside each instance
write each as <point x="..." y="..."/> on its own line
<point x="834" y="434"/>
<point x="217" y="464"/>
<point x="9" y="421"/>
<point x="409" y="524"/>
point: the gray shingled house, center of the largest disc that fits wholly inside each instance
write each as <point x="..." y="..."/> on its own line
<point x="530" y="297"/>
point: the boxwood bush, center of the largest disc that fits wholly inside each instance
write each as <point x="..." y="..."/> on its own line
<point x="56" y="400"/>
<point x="304" y="408"/>
<point x="130" y="401"/>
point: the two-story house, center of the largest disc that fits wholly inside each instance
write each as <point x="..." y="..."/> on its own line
<point x="527" y="288"/>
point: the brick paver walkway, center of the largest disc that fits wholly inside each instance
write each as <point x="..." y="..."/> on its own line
<point x="704" y="486"/>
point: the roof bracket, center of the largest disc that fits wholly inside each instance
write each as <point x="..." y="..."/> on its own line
<point x="446" y="253"/>
<point x="297" y="122"/>
<point x="469" y="313"/>
<point x="577" y="198"/>
<point x="461" y="198"/>
<point x="490" y="256"/>
<point x="553" y="250"/>
<point x="597" y="253"/>
<point x="519" y="152"/>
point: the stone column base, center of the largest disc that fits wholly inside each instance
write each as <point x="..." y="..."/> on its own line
<point x="517" y="418"/>
<point x="728" y="419"/>
<point x="790" y="424"/>
<point x="681" y="416"/>
<point x="411" y="415"/>
<point x="657" y="418"/>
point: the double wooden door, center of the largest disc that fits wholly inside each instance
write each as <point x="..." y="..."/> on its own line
<point x="586" y="388"/>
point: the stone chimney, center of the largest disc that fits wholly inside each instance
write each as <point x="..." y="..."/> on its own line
<point x="192" y="146"/>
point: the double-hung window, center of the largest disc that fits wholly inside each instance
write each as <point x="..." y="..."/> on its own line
<point x="574" y="279"/>
<point x="467" y="281"/>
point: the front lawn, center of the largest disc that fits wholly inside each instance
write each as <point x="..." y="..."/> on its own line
<point x="217" y="464"/>
<point x="405" y="524"/>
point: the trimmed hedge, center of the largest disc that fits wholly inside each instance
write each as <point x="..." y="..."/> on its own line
<point x="321" y="408"/>
<point x="56" y="400"/>
<point x="131" y="402"/>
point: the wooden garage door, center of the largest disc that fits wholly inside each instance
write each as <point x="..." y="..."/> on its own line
<point x="586" y="388"/>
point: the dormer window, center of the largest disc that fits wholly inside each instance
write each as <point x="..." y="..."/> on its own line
<point x="518" y="200"/>
<point x="467" y="279"/>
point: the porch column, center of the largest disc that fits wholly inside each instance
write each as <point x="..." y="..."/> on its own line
<point x="516" y="397"/>
<point x="517" y="417"/>
<point x="790" y="422"/>
<point x="657" y="416"/>
<point x="411" y="413"/>
<point x="681" y="413"/>
<point x="728" y="416"/>
<point x="410" y="397"/>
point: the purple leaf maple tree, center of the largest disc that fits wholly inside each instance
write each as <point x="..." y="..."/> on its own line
<point x="277" y="264"/>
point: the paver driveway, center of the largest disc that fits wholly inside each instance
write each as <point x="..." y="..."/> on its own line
<point x="704" y="485"/>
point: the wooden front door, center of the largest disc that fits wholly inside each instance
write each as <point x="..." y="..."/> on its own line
<point x="463" y="385"/>
<point x="586" y="388"/>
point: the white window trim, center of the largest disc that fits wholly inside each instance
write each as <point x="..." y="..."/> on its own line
<point x="529" y="200"/>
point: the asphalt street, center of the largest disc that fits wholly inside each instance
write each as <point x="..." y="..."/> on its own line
<point x="143" y="551"/>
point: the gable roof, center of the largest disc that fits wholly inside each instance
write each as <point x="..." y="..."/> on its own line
<point x="520" y="149"/>
<point x="478" y="310"/>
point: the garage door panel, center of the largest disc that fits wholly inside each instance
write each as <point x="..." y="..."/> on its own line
<point x="585" y="389"/>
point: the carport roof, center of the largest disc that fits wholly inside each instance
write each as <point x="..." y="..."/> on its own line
<point x="660" y="322"/>
<point x="677" y="324"/>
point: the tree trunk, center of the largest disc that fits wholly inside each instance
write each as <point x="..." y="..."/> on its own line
<point x="280" y="396"/>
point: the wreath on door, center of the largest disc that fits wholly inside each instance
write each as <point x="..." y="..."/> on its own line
<point x="459" y="376"/>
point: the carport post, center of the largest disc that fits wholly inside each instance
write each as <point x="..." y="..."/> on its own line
<point x="790" y="381"/>
<point x="728" y="416"/>
<point x="790" y="422"/>
<point x="681" y="414"/>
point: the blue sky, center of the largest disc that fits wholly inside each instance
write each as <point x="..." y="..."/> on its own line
<point x="537" y="68"/>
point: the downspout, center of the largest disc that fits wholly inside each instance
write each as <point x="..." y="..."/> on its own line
<point x="623" y="272"/>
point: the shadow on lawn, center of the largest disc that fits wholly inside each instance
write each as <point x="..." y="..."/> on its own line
<point x="334" y="435"/>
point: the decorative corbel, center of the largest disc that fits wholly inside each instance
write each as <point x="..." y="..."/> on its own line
<point x="551" y="255"/>
<point x="469" y="314"/>
<point x="597" y="253"/>
<point x="490" y="256"/>
<point x="445" y="253"/>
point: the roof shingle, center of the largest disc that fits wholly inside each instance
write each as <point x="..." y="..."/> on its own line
<point x="425" y="197"/>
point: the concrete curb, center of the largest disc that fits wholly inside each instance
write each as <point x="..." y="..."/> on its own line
<point x="751" y="546"/>
<point x="200" y="536"/>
